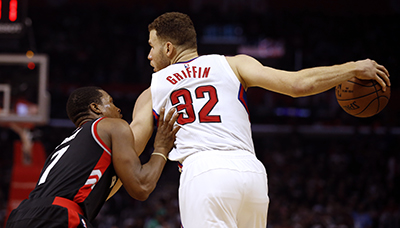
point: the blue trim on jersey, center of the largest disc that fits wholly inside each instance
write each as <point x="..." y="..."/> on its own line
<point x="242" y="96"/>
<point x="179" y="166"/>
<point x="156" y="116"/>
<point x="190" y="60"/>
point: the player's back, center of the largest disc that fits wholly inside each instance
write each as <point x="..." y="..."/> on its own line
<point x="80" y="169"/>
<point x="212" y="103"/>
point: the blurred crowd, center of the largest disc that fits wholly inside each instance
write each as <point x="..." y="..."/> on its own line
<point x="315" y="181"/>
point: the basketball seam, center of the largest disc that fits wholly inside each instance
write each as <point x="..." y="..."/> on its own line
<point x="353" y="98"/>
<point x="377" y="96"/>
<point x="366" y="107"/>
<point x="370" y="103"/>
<point x="363" y="85"/>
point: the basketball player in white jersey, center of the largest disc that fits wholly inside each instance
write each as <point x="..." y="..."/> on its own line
<point x="222" y="183"/>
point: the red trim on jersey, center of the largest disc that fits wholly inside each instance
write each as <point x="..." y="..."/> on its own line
<point x="73" y="210"/>
<point x="102" y="165"/>
<point x="73" y="219"/>
<point x="98" y="171"/>
<point x="71" y="205"/>
<point x="97" y="134"/>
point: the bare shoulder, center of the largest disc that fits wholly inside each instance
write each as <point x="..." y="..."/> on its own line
<point x="146" y="94"/>
<point x="239" y="58"/>
<point x="113" y="125"/>
<point x="110" y="129"/>
<point x="237" y="62"/>
<point x="143" y="99"/>
<point x="109" y="120"/>
<point x="143" y="104"/>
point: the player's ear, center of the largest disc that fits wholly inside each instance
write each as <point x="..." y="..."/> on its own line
<point x="169" y="49"/>
<point x="95" y="108"/>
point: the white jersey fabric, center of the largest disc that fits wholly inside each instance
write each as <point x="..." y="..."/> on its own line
<point x="203" y="90"/>
<point x="222" y="184"/>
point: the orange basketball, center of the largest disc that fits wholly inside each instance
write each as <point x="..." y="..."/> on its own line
<point x="362" y="98"/>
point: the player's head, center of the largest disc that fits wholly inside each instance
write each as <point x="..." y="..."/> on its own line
<point x="170" y="34"/>
<point x="90" y="102"/>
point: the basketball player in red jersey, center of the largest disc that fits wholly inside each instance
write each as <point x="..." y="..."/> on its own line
<point x="80" y="174"/>
<point x="222" y="183"/>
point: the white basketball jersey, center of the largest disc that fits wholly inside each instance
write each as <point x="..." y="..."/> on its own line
<point x="211" y="102"/>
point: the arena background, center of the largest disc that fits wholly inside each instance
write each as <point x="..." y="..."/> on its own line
<point x="326" y="168"/>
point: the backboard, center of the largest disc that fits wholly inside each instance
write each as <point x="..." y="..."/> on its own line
<point x="23" y="88"/>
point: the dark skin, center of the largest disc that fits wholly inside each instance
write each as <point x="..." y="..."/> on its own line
<point x="139" y="180"/>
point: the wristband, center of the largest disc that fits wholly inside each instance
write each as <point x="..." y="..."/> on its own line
<point x="160" y="154"/>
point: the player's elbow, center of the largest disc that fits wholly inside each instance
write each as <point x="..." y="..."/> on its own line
<point x="145" y="192"/>
<point x="141" y="192"/>
<point x="142" y="196"/>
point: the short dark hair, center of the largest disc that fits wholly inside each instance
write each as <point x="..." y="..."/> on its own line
<point x="79" y="101"/>
<point x="175" y="27"/>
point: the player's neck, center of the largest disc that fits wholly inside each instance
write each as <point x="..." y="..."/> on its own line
<point x="184" y="56"/>
<point x="84" y="120"/>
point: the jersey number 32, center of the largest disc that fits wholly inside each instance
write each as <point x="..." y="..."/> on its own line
<point x="187" y="105"/>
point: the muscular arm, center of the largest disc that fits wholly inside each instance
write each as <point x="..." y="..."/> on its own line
<point x="304" y="82"/>
<point x="139" y="180"/>
<point x="142" y="124"/>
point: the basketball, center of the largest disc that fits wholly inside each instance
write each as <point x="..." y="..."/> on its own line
<point x="362" y="98"/>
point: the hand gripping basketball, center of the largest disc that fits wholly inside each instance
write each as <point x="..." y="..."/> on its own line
<point x="362" y="98"/>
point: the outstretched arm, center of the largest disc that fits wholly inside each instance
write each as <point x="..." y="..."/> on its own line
<point x="139" y="180"/>
<point x="307" y="81"/>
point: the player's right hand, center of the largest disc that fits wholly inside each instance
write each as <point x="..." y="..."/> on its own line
<point x="370" y="70"/>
